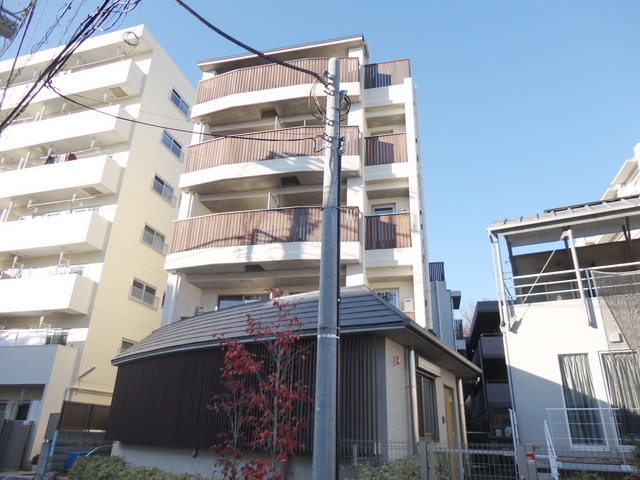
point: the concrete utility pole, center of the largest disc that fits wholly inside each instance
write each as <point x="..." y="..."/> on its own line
<point x="326" y="393"/>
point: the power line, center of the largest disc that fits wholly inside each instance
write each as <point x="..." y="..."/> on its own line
<point x="269" y="58"/>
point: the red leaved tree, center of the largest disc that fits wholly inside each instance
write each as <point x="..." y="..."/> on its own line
<point x="260" y="398"/>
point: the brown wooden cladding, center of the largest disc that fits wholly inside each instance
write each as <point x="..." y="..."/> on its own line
<point x="162" y="401"/>
<point x="265" y="77"/>
<point x="387" y="231"/>
<point x="83" y="416"/>
<point x="258" y="227"/>
<point x="284" y="143"/>
<point x="386" y="74"/>
<point x="384" y="149"/>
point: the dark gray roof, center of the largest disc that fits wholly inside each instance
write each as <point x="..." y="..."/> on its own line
<point x="361" y="310"/>
<point x="585" y="220"/>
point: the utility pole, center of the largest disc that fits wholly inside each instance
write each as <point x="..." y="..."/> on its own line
<point x="324" y="465"/>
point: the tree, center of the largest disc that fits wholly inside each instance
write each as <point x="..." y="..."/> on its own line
<point x="260" y="398"/>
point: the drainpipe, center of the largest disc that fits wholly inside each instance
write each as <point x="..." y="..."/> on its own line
<point x="499" y="279"/>
<point x="461" y="414"/>
<point x="576" y="269"/>
<point x="413" y="396"/>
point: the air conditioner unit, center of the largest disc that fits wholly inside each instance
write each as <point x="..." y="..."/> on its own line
<point x="199" y="310"/>
<point x="408" y="305"/>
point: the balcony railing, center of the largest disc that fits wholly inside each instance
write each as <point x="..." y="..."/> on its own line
<point x="386" y="74"/>
<point x="259" y="227"/>
<point x="385" y="149"/>
<point x="270" y="76"/>
<point x="282" y="144"/>
<point x="30" y="337"/>
<point x="388" y="231"/>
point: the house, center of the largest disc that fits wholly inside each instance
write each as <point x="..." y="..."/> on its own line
<point x="87" y="204"/>
<point x="251" y="214"/>
<point x="569" y="305"/>
<point x="399" y="383"/>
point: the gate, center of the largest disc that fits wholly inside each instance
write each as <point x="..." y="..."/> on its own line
<point x="14" y="440"/>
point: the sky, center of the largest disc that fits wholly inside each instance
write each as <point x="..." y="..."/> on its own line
<point x="524" y="105"/>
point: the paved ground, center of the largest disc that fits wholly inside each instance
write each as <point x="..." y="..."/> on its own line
<point x="16" y="475"/>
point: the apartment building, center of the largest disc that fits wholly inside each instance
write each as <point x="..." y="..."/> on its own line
<point x="251" y="215"/>
<point x="87" y="205"/>
<point x="444" y="303"/>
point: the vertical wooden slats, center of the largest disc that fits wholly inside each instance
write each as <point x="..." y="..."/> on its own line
<point x="265" y="77"/>
<point x="384" y="149"/>
<point x="280" y="143"/>
<point x="282" y="225"/>
<point x="386" y="74"/>
<point x="387" y="231"/>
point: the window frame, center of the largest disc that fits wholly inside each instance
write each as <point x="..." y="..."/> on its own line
<point x="243" y="300"/>
<point x="144" y="293"/>
<point x="427" y="411"/>
<point x="393" y="291"/>
<point x="173" y="145"/>
<point x="375" y="209"/>
<point x="180" y="103"/>
<point x="163" y="189"/>
<point x="144" y="238"/>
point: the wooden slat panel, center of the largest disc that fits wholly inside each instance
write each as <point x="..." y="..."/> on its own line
<point x="282" y="143"/>
<point x="282" y="225"/>
<point x="387" y="231"/>
<point x="384" y="149"/>
<point x="386" y="74"/>
<point x="265" y="77"/>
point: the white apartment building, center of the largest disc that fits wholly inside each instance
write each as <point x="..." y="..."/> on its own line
<point x="251" y="215"/>
<point x="87" y="204"/>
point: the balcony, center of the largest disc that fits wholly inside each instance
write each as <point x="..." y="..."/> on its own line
<point x="118" y="79"/>
<point x="234" y="95"/>
<point x="491" y="346"/>
<point x="285" y="234"/>
<point x="76" y="231"/>
<point x="68" y="132"/>
<point x="68" y="294"/>
<point x="238" y="164"/>
<point x="46" y="183"/>
<point x="386" y="74"/>
<point x="388" y="231"/>
<point x="385" y="149"/>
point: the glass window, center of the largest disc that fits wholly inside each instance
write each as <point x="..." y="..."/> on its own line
<point x="383" y="209"/>
<point x="144" y="293"/>
<point x="585" y="424"/>
<point x="179" y="102"/>
<point x="390" y="296"/>
<point x="163" y="189"/>
<point x="427" y="425"/>
<point x="22" y="413"/>
<point x="226" y="301"/>
<point x="154" y="239"/>
<point x="172" y="144"/>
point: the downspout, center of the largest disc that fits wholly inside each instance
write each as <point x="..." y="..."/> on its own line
<point x="499" y="280"/>
<point x="413" y="396"/>
<point x="576" y="269"/>
<point x="461" y="414"/>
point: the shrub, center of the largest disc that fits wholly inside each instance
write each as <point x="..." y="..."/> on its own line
<point x="405" y="469"/>
<point x="114" y="468"/>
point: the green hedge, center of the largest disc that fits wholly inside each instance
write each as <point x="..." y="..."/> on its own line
<point x="114" y="468"/>
<point x="406" y="469"/>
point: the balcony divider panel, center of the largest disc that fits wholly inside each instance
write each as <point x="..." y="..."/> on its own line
<point x="286" y="143"/>
<point x="386" y="74"/>
<point x="282" y="225"/>
<point x="265" y="77"/>
<point x="385" y="149"/>
<point x="387" y="231"/>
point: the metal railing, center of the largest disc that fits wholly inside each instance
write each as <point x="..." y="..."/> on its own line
<point x="285" y="143"/>
<point x="33" y="337"/>
<point x="387" y="231"/>
<point x="385" y="149"/>
<point x="259" y="227"/>
<point x="265" y="77"/>
<point x="386" y="74"/>
<point x="49" y="271"/>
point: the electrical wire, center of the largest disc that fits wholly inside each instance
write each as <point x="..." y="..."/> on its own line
<point x="247" y="47"/>
<point x="175" y="129"/>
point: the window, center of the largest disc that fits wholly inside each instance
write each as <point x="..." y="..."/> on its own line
<point x="390" y="295"/>
<point x="179" y="102"/>
<point x="154" y="239"/>
<point x="144" y="293"/>
<point x="622" y="375"/>
<point x="172" y="144"/>
<point x="427" y="424"/>
<point x="226" y="301"/>
<point x="585" y="423"/>
<point x="383" y="209"/>
<point x="125" y="345"/>
<point x="163" y="189"/>
<point x="22" y="413"/>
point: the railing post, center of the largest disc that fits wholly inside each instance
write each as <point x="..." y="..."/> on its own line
<point x="432" y="471"/>
<point x="526" y="462"/>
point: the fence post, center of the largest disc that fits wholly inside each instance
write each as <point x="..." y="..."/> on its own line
<point x="431" y="461"/>
<point x="424" y="464"/>
<point x="526" y="462"/>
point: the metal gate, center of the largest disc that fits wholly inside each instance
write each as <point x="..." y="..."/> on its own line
<point x="14" y="440"/>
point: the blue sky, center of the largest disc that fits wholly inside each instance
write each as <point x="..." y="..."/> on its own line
<point x="524" y="104"/>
